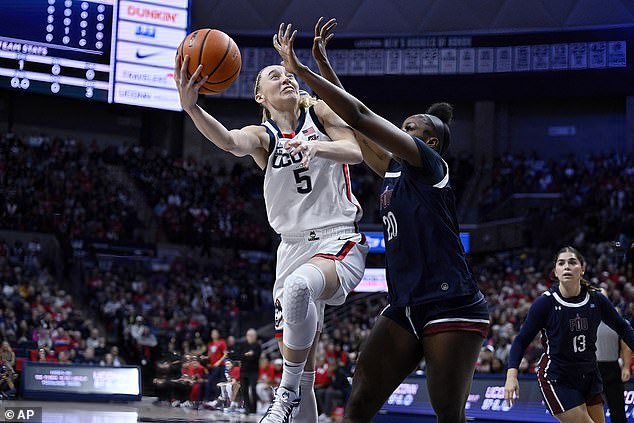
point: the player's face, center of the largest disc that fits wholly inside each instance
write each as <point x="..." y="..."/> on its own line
<point x="568" y="268"/>
<point x="415" y="126"/>
<point x="276" y="83"/>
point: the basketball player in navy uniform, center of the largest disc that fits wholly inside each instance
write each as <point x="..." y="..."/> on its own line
<point x="567" y="315"/>
<point x="304" y="149"/>
<point x="436" y="310"/>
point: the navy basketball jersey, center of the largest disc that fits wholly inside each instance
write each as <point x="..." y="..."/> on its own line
<point x="425" y="259"/>
<point x="568" y="328"/>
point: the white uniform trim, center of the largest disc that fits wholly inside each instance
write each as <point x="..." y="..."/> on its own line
<point x="409" y="318"/>
<point x="393" y="174"/>
<point x="567" y="304"/>
<point x="443" y="183"/>
<point x="552" y="388"/>
<point x="453" y="319"/>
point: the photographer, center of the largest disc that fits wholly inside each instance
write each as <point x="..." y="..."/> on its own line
<point x="7" y="388"/>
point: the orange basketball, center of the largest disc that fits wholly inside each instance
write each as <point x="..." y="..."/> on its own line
<point x="218" y="54"/>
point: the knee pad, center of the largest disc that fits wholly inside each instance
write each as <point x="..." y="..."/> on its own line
<point x="301" y="287"/>
<point x="299" y="336"/>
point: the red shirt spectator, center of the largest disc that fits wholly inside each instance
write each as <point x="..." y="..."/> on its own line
<point x="322" y="376"/>
<point x="216" y="349"/>
<point x="266" y="371"/>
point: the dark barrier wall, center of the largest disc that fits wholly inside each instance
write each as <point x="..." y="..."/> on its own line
<point x="486" y="400"/>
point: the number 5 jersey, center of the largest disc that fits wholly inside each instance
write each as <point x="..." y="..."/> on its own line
<point x="298" y="198"/>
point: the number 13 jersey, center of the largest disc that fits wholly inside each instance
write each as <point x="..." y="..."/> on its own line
<point x="569" y="330"/>
<point x="300" y="199"/>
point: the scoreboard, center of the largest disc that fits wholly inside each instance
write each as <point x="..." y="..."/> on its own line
<point x="114" y="51"/>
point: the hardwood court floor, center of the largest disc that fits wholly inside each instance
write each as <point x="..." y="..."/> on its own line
<point x="146" y="412"/>
<point x="127" y="412"/>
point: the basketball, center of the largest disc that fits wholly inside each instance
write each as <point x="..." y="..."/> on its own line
<point x="218" y="54"/>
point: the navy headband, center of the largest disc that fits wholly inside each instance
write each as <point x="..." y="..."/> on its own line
<point x="439" y="126"/>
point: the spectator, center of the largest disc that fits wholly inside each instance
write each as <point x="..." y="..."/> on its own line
<point x="339" y="387"/>
<point x="265" y="386"/>
<point x="7" y="356"/>
<point x="93" y="340"/>
<point x="63" y="357"/>
<point x="7" y="387"/>
<point x="249" y="356"/>
<point x="88" y="357"/>
<point x="230" y="389"/>
<point x="117" y="361"/>
<point x="107" y="361"/>
<point x="216" y="353"/>
<point x="188" y="386"/>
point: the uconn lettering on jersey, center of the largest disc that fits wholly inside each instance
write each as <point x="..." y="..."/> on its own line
<point x="281" y="158"/>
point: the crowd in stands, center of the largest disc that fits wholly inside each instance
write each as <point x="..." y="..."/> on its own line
<point x="40" y="321"/>
<point x="180" y="301"/>
<point x="60" y="186"/>
<point x="602" y="183"/>
<point x="197" y="203"/>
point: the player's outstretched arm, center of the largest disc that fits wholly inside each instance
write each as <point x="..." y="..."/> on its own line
<point x="323" y="34"/>
<point x="375" y="156"/>
<point x="239" y="142"/>
<point x="343" y="149"/>
<point x="348" y="107"/>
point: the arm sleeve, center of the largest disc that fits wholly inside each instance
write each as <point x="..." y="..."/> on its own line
<point x="616" y="322"/>
<point x="431" y="169"/>
<point x="535" y="321"/>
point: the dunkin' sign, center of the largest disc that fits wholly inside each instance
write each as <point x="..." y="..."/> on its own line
<point x="149" y="13"/>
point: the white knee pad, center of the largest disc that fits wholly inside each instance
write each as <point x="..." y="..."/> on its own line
<point x="302" y="286"/>
<point x="299" y="336"/>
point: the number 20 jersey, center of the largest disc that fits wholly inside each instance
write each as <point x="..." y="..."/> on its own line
<point x="425" y="259"/>
<point x="299" y="199"/>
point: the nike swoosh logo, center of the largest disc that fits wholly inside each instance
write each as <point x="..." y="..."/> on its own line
<point x="140" y="55"/>
<point x="347" y="237"/>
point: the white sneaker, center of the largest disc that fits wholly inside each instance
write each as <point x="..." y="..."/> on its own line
<point x="283" y="404"/>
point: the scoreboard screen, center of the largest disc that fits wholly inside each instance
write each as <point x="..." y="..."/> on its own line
<point x="114" y="51"/>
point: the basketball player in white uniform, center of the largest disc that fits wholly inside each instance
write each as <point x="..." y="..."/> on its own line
<point x="305" y="151"/>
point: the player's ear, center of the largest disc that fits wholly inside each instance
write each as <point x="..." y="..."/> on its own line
<point x="434" y="143"/>
<point x="259" y="98"/>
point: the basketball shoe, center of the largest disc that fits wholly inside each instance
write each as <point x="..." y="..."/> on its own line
<point x="280" y="410"/>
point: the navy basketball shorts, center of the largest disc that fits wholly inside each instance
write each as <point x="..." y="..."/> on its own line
<point x="563" y="391"/>
<point x="467" y="314"/>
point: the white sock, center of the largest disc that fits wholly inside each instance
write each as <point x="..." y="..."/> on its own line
<point x="308" y="404"/>
<point x="291" y="375"/>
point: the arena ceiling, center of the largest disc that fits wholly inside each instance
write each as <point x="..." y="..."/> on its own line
<point x="411" y="17"/>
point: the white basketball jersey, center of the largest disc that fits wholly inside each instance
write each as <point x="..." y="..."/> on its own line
<point x="299" y="199"/>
